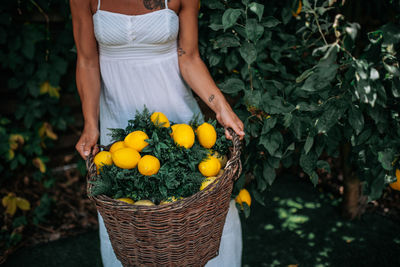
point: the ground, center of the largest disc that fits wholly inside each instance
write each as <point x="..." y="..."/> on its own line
<point x="299" y="225"/>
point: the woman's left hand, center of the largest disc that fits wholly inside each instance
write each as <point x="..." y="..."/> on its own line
<point x="228" y="119"/>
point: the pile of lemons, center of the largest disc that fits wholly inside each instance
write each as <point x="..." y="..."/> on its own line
<point x="126" y="154"/>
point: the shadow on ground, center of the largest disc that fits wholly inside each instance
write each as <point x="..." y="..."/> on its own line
<point x="298" y="226"/>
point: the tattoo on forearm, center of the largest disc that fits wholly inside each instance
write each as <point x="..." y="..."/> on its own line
<point x="181" y="52"/>
<point x="154" y="4"/>
<point x="211" y="98"/>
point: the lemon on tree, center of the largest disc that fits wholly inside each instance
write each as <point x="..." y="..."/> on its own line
<point x="210" y="166"/>
<point x="144" y="202"/>
<point x="243" y="196"/>
<point x="102" y="158"/>
<point x="148" y="165"/>
<point x="159" y="119"/>
<point x="136" y="140"/>
<point x="183" y="135"/>
<point x="126" y="158"/>
<point x="117" y="145"/>
<point x="206" y="135"/>
<point x="396" y="185"/>
<point x="126" y="200"/>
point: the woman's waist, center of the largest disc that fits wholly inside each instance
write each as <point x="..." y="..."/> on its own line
<point x="138" y="51"/>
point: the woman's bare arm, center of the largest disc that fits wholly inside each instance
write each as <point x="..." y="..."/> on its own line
<point x="87" y="74"/>
<point x="195" y="72"/>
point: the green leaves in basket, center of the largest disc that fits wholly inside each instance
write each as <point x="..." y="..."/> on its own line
<point x="178" y="175"/>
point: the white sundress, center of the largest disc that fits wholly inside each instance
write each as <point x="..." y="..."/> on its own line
<point x="139" y="66"/>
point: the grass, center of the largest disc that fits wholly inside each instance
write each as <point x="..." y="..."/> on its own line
<point x="298" y="225"/>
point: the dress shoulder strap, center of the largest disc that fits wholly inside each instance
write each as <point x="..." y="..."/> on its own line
<point x="98" y="4"/>
<point x="166" y="4"/>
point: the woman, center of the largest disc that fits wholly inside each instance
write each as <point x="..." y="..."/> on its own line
<point x="129" y="56"/>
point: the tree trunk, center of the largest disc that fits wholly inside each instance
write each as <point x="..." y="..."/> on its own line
<point x="352" y="193"/>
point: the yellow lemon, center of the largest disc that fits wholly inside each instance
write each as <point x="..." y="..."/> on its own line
<point x="209" y="166"/>
<point x="396" y="185"/>
<point x="160" y="118"/>
<point x="144" y="202"/>
<point x="223" y="159"/>
<point x="126" y="158"/>
<point x="206" y="135"/>
<point x="243" y="196"/>
<point x="117" y="145"/>
<point x="136" y="140"/>
<point x="102" y="158"/>
<point x="148" y="165"/>
<point x="169" y="200"/>
<point x="206" y="182"/>
<point x="173" y="128"/>
<point x="183" y="135"/>
<point x="126" y="200"/>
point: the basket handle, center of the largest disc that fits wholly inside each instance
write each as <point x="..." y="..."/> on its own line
<point x="235" y="154"/>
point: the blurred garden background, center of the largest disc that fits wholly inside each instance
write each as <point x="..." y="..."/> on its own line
<point x="317" y="84"/>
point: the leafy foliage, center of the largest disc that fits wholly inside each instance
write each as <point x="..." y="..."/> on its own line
<point x="36" y="57"/>
<point x="307" y="82"/>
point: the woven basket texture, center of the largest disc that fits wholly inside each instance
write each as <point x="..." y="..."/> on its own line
<point x="183" y="233"/>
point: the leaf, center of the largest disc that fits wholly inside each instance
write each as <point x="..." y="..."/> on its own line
<point x="323" y="165"/>
<point x="233" y="86"/>
<point x="246" y="209"/>
<point x="226" y="40"/>
<point x="214" y="59"/>
<point x="216" y="27"/>
<point x="304" y="75"/>
<point x="52" y="91"/>
<point x="269" y="124"/>
<point x="254" y="31"/>
<point x="356" y="119"/>
<point x="308" y="162"/>
<point x="258" y="197"/>
<point x="10" y="203"/>
<point x="258" y="9"/>
<point x="271" y="22"/>
<point x="15" y="140"/>
<point x="323" y="73"/>
<point x="5" y="200"/>
<point x="271" y="141"/>
<point x="230" y="17"/>
<point x="268" y="173"/>
<point x="23" y="204"/>
<point x="248" y="52"/>
<point x="314" y="178"/>
<point x="309" y="143"/>
<point x="385" y="158"/>
<point x="332" y="113"/>
<point x="46" y="130"/>
<point x="38" y="163"/>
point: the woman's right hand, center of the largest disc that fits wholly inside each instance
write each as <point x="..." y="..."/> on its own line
<point x="88" y="142"/>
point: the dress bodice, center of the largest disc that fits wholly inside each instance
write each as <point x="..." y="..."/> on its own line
<point x="136" y="36"/>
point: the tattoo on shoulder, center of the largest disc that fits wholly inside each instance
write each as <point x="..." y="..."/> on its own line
<point x="154" y="4"/>
<point x="211" y="98"/>
<point x="181" y="52"/>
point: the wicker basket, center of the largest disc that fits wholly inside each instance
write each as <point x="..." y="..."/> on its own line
<point x="183" y="233"/>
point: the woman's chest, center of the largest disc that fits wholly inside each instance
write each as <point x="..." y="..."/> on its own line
<point x="152" y="28"/>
